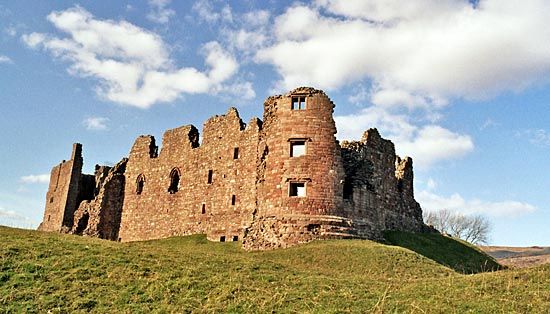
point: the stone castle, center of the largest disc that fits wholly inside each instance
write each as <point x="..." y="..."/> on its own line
<point x="271" y="183"/>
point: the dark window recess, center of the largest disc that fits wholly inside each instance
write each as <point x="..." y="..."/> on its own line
<point x="348" y="190"/>
<point x="222" y="239"/>
<point x="400" y="185"/>
<point x="174" y="181"/>
<point x="140" y="182"/>
<point x="51" y="199"/>
<point x="313" y="227"/>
<point x="297" y="189"/>
<point x="49" y="216"/>
<point x="210" y="175"/>
<point x="297" y="148"/>
<point x="233" y="199"/>
<point x="236" y="153"/>
<point x="119" y="239"/>
<point x="298" y="103"/>
<point x="235" y="238"/>
<point x="203" y="209"/>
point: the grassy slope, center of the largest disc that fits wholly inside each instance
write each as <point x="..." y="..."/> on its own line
<point x="453" y="253"/>
<point x="41" y="271"/>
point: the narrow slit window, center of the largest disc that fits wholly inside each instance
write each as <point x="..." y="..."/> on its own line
<point x="233" y="199"/>
<point x="140" y="182"/>
<point x="174" y="181"/>
<point x="298" y="103"/>
<point x="236" y="153"/>
<point x="210" y="176"/>
<point x="297" y="189"/>
<point x="203" y="209"/>
<point x="297" y="148"/>
<point x="348" y="190"/>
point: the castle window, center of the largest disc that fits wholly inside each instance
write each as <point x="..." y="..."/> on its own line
<point x="236" y="153"/>
<point x="203" y="209"/>
<point x="222" y="239"/>
<point x="297" y="148"/>
<point x="233" y="199"/>
<point x="49" y="216"/>
<point x="297" y="189"/>
<point x="140" y="182"/>
<point x="210" y="176"/>
<point x="174" y="181"/>
<point x="299" y="103"/>
<point x="235" y="238"/>
<point x="348" y="190"/>
<point x="51" y="199"/>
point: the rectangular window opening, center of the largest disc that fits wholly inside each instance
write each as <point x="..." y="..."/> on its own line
<point x="299" y="103"/>
<point x="210" y="175"/>
<point x="235" y="238"/>
<point x="236" y="153"/>
<point x="233" y="199"/>
<point x="203" y="209"/>
<point x="297" y="148"/>
<point x="222" y="239"/>
<point x="297" y="189"/>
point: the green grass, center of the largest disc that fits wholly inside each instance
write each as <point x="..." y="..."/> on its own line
<point x="454" y="253"/>
<point x="41" y="272"/>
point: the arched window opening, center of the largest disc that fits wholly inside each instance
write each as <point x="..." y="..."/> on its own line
<point x="174" y="181"/>
<point x="140" y="182"/>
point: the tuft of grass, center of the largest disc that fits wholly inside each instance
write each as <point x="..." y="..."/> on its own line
<point x="46" y="272"/>
<point x="454" y="253"/>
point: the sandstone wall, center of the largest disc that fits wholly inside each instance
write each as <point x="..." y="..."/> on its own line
<point x="220" y="208"/>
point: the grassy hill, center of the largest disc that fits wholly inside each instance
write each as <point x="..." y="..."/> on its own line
<point x="41" y="272"/>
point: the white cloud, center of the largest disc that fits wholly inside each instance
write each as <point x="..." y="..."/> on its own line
<point x="5" y="59"/>
<point x="539" y="137"/>
<point x="206" y="12"/>
<point x="159" y="12"/>
<point x="425" y="144"/>
<point x="36" y="178"/>
<point x="431" y="184"/>
<point x="425" y="48"/>
<point x="10" y="31"/>
<point x="96" y="123"/>
<point x="433" y="202"/>
<point x="131" y="63"/>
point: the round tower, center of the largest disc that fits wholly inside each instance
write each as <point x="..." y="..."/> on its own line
<point x="300" y="173"/>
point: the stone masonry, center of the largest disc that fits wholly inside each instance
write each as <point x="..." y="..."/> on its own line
<point x="270" y="184"/>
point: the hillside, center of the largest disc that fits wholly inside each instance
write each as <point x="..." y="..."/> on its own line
<point x="44" y="271"/>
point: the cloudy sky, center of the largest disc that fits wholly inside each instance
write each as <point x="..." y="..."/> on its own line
<point x="461" y="86"/>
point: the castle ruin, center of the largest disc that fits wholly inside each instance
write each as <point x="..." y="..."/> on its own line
<point x="270" y="183"/>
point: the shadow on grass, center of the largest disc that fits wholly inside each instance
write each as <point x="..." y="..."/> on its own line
<point x="455" y="254"/>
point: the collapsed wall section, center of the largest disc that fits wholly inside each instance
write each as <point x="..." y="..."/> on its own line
<point x="379" y="187"/>
<point x="100" y="215"/>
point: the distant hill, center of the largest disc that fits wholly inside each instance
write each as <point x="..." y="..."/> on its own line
<point x="519" y="256"/>
<point x="41" y="272"/>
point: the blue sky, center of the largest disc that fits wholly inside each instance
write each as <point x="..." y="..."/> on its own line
<point x="462" y="88"/>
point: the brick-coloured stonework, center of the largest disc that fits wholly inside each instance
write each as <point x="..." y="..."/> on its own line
<point x="271" y="183"/>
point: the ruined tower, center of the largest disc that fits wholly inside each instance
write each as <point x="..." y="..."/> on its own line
<point x="62" y="195"/>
